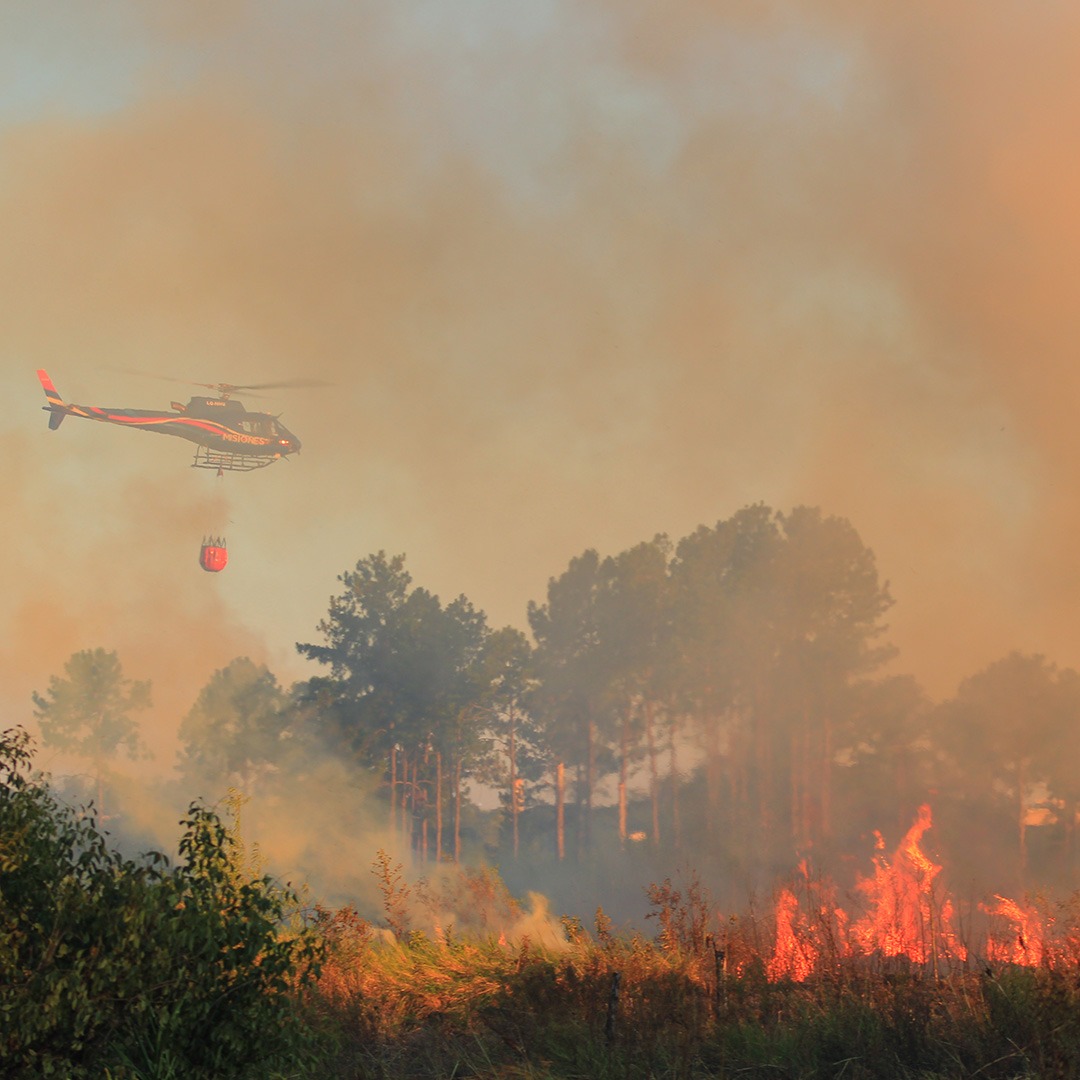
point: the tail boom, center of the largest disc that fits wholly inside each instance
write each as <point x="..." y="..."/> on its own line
<point x="57" y="408"/>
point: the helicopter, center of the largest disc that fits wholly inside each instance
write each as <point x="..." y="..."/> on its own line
<point x="227" y="436"/>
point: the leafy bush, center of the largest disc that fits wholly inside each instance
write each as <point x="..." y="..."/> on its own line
<point x="137" y="969"/>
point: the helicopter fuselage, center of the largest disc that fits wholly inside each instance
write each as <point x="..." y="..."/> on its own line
<point x="228" y="435"/>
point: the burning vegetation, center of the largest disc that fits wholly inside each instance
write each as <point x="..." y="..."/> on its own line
<point x="717" y="716"/>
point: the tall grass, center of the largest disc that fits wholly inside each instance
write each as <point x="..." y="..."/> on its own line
<point x="696" y="1001"/>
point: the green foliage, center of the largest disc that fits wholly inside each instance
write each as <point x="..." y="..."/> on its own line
<point x="395" y="892"/>
<point x="403" y="667"/>
<point x="89" y="711"/>
<point x="137" y="967"/>
<point x="684" y="915"/>
<point x="236" y="726"/>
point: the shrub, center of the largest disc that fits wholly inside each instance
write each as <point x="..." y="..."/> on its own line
<point x="137" y="968"/>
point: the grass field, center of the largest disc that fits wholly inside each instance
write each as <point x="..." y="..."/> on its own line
<point x="788" y="993"/>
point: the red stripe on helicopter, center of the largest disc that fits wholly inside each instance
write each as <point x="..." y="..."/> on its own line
<point x="206" y="425"/>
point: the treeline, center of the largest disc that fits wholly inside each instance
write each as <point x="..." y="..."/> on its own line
<point x="725" y="694"/>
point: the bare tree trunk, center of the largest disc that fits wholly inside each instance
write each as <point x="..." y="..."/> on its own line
<point x="512" y="755"/>
<point x="1021" y="819"/>
<point x="560" y="810"/>
<point x="796" y="797"/>
<point x="1068" y="823"/>
<point x="393" y="788"/>
<point x="438" y="806"/>
<point x="590" y="775"/>
<point x="825" y="809"/>
<point x="624" y="742"/>
<point x="457" y="811"/>
<point x="762" y="733"/>
<point x="676" y="823"/>
<point x="579" y="807"/>
<point x="710" y="722"/>
<point x="406" y="819"/>
<point x="803" y="786"/>
<point x="654" y="777"/>
<point x="423" y="801"/>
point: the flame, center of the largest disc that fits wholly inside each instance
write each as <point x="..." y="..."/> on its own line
<point x="1025" y="941"/>
<point x="795" y="955"/>
<point x="908" y="915"/>
<point x="903" y="916"/>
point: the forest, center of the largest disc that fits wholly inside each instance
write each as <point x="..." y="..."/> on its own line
<point x="728" y="701"/>
<point x="834" y="875"/>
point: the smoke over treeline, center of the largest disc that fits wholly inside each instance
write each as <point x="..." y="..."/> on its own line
<point x="725" y="704"/>
<point x="578" y="273"/>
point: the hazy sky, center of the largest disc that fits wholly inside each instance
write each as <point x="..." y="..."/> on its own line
<point x="579" y="272"/>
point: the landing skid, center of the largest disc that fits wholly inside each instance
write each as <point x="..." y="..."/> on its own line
<point x="205" y="458"/>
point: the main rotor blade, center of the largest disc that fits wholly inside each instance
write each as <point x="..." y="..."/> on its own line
<point x="288" y="384"/>
<point x="225" y="389"/>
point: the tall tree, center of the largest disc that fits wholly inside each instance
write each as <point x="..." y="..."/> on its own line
<point x="829" y="604"/>
<point x="515" y="762"/>
<point x="365" y="693"/>
<point x="634" y="622"/>
<point x="237" y="727"/>
<point x="571" y="693"/>
<point x="776" y="618"/>
<point x="456" y="712"/>
<point x="999" y="734"/>
<point x="721" y="604"/>
<point x="402" y="684"/>
<point x="90" y="710"/>
<point x="1060" y="759"/>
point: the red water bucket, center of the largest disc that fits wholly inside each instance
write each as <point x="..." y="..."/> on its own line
<point x="213" y="555"/>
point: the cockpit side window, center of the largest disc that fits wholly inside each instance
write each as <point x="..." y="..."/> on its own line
<point x="257" y="425"/>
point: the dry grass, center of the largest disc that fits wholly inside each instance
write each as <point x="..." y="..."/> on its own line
<point x="698" y="1001"/>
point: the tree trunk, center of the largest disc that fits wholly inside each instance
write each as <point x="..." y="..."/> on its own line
<point x="709" y="721"/>
<point x="560" y="810"/>
<point x="512" y="755"/>
<point x="438" y="806"/>
<point x="624" y="742"/>
<point x="801" y="766"/>
<point x="406" y="816"/>
<point x="590" y="775"/>
<point x="654" y="772"/>
<point x="1068" y="821"/>
<point x="579" y="807"/>
<point x="1021" y="815"/>
<point x="393" y="789"/>
<point x="676" y="822"/>
<point x="794" y="769"/>
<point x="99" y="781"/>
<point x="762" y="781"/>
<point x="457" y="811"/>
<point x="825" y="807"/>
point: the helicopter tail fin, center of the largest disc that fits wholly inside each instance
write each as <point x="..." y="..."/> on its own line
<point x="56" y="407"/>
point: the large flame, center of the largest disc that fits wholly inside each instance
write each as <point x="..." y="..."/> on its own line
<point x="795" y="954"/>
<point x="1024" y="941"/>
<point x="904" y="916"/>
